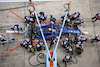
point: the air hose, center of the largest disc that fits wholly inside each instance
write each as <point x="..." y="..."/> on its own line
<point x="75" y="59"/>
<point x="64" y="5"/>
<point x="40" y="55"/>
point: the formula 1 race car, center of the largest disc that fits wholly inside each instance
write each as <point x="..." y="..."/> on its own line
<point x="52" y="31"/>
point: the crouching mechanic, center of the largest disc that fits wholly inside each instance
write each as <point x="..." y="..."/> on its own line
<point x="25" y="43"/>
<point x="83" y="39"/>
<point x="76" y="15"/>
<point x="68" y="20"/>
<point x="29" y="19"/>
<point x="40" y="45"/>
<point x="96" y="17"/>
<point x="79" y="47"/>
<point x="96" y="39"/>
<point x="32" y="14"/>
<point x="67" y="58"/>
<point x="69" y="49"/>
<point x="68" y="16"/>
<point x="52" y="20"/>
<point x="41" y="16"/>
<point x="80" y="38"/>
<point x="79" y="22"/>
<point x="31" y="48"/>
<point x="66" y="42"/>
<point x="16" y="27"/>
